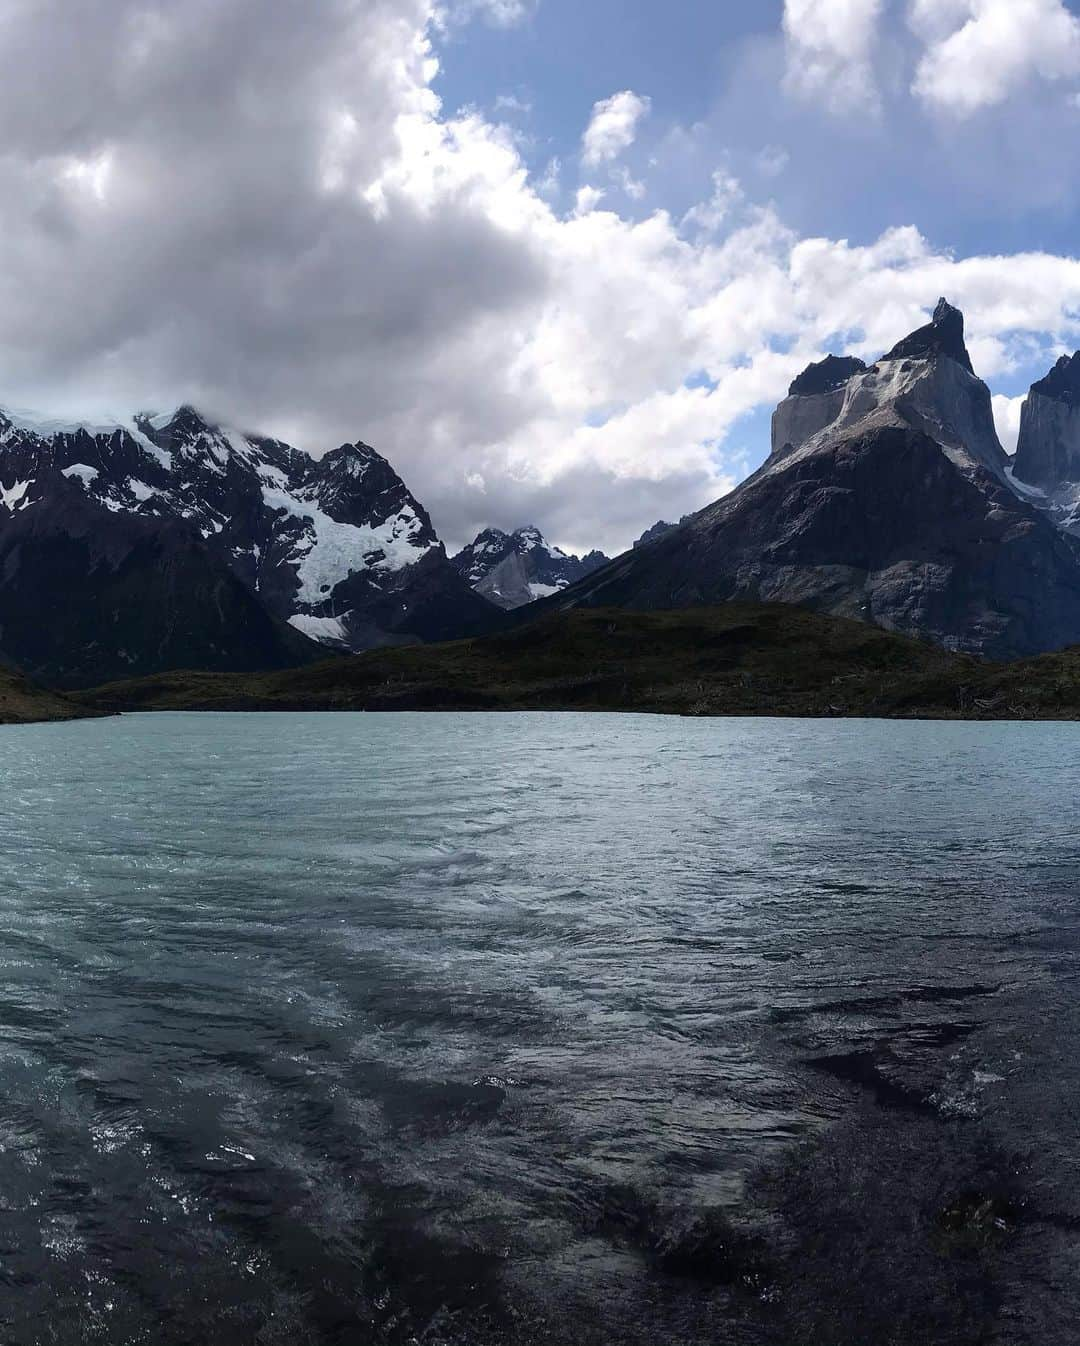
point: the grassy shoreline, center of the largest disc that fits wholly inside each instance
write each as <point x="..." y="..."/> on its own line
<point x="23" y="702"/>
<point x="737" y="660"/>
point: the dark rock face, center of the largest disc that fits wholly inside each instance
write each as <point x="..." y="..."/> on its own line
<point x="932" y="392"/>
<point x="898" y="512"/>
<point x="1062" y="384"/>
<point x="826" y="376"/>
<point x="1048" y="450"/>
<point x="87" y="596"/>
<point x="514" y="569"/>
<point x="942" y="336"/>
<point x="659" y="529"/>
<point x="171" y="542"/>
<point x="883" y="527"/>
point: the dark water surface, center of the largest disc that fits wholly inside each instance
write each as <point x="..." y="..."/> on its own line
<point x="351" y="1029"/>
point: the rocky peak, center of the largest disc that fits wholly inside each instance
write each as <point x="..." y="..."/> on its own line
<point x="182" y="426"/>
<point x="887" y="498"/>
<point x="490" y="538"/>
<point x="943" y="335"/>
<point x="1048" y="450"/>
<point x="529" y="537"/>
<point x="925" y="382"/>
<point x="826" y="376"/>
<point x="351" y="460"/>
<point x="660" y="529"/>
<point x="356" y="485"/>
<point x="338" y="548"/>
<point x="512" y="569"/>
<point x="1062" y="384"/>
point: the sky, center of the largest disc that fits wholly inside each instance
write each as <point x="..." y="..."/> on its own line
<point x="556" y="259"/>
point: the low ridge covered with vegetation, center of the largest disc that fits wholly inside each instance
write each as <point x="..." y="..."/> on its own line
<point x="21" y="702"/>
<point x="731" y="660"/>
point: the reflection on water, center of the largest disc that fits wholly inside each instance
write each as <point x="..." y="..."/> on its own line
<point x="537" y="1028"/>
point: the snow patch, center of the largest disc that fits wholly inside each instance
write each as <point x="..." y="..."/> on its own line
<point x="545" y="590"/>
<point x="163" y="456"/>
<point x="326" y="630"/>
<point x="83" y="472"/>
<point x="13" y="498"/>
<point x="1021" y="487"/>
<point x="330" y="552"/>
<point x="45" y="427"/>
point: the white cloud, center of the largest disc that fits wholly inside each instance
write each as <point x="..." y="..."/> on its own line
<point x="501" y="13"/>
<point x="980" y="52"/>
<point x="934" y="20"/>
<point x="587" y="199"/>
<point x="1007" y="418"/>
<point x="634" y="188"/>
<point x="280" y="223"/>
<point x="727" y="197"/>
<point x="830" y="50"/>
<point x="509" y="102"/>
<point x="613" y="127"/>
<point x="550" y="184"/>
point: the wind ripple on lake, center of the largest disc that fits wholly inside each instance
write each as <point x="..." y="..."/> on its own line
<point x="312" y="1025"/>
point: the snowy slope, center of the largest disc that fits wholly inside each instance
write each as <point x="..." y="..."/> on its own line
<point x="337" y="547"/>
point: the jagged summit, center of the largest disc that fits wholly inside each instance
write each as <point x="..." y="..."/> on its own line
<point x="513" y="569"/>
<point x="887" y="497"/>
<point x="170" y="541"/>
<point x="184" y="420"/>
<point x="944" y="335"/>
<point x="826" y="376"/>
<point x="1063" y="382"/>
<point x="926" y="382"/>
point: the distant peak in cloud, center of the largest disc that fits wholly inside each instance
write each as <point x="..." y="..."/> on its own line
<point x="613" y="127"/>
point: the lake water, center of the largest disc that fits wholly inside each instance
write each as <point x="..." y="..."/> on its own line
<point x="536" y="1028"/>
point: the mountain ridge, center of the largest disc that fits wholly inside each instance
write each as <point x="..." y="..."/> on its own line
<point x="887" y="497"/>
<point x="251" y="553"/>
<point x="515" y="569"/>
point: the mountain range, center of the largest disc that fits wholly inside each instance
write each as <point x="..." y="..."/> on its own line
<point x="170" y="541"/>
<point x="513" y="569"/>
<point x="887" y="496"/>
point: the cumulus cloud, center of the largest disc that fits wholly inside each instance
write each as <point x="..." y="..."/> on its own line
<point x="980" y="52"/>
<point x="613" y="127"/>
<point x="830" y="49"/>
<point x="262" y="208"/>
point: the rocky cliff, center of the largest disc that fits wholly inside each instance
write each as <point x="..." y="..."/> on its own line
<point x="1047" y="462"/>
<point x="886" y="497"/>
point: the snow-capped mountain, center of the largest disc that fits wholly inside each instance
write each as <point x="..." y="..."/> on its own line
<point x="513" y="569"/>
<point x="887" y="497"/>
<point x="335" y="548"/>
